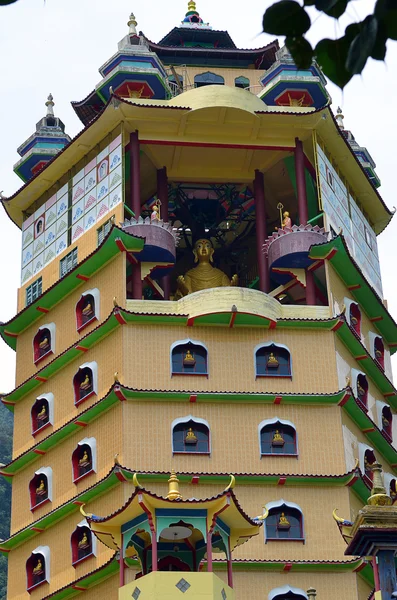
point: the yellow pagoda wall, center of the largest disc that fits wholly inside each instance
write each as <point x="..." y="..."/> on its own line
<point x="57" y="538"/>
<point x="110" y="282"/>
<point x="107" y="431"/>
<point x="234" y="438"/>
<point x="337" y="292"/>
<point x="107" y="354"/>
<point x="230" y="358"/>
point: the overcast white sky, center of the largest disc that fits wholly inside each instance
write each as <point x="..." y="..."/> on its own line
<point x="57" y="46"/>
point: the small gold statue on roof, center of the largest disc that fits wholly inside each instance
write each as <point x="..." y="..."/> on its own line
<point x="173" y="491"/>
<point x="155" y="216"/>
<point x="287" y="223"/>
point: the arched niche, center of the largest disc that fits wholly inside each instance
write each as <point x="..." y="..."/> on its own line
<point x="360" y="387"/>
<point x="87" y="308"/>
<point x="84" y="459"/>
<point x="42" y="413"/>
<point x="82" y="543"/>
<point x="44" y="342"/>
<point x="377" y="349"/>
<point x="284" y="522"/>
<point x="277" y="437"/>
<point x="287" y="592"/>
<point x="40" y="488"/>
<point x="85" y="382"/>
<point x="38" y="568"/>
<point x="272" y="360"/>
<point x="353" y="315"/>
<point x="189" y="357"/>
<point x="190" y="435"/>
<point x="366" y="457"/>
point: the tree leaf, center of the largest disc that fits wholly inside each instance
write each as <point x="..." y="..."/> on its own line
<point x="362" y="45"/>
<point x="331" y="55"/>
<point x="286" y="17"/>
<point x="301" y="51"/>
<point x="324" y="4"/>
<point x="337" y="9"/>
<point x="309" y="2"/>
<point x="379" y="49"/>
<point x="386" y="12"/>
<point x="4" y="2"/>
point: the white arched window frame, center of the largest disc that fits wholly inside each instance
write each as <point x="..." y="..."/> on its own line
<point x="348" y="302"/>
<point x="267" y="345"/>
<point x="93" y="366"/>
<point x="354" y="376"/>
<point x="47" y="471"/>
<point x="372" y="337"/>
<point x="96" y="295"/>
<point x="182" y="421"/>
<point x="268" y="422"/>
<point x="52" y="329"/>
<point x="286" y="589"/>
<point x="183" y="343"/>
<point x="50" y="401"/>
<point x="279" y="504"/>
<point x="379" y="409"/>
<point x="91" y="442"/>
<point x="362" y="448"/>
<point x="84" y="523"/>
<point x="387" y="479"/>
<point x="45" y="552"/>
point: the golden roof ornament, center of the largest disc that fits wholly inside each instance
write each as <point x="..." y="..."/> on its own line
<point x="132" y="23"/>
<point x="191" y="6"/>
<point x="173" y="487"/>
<point x="50" y="105"/>
<point x="378" y="496"/>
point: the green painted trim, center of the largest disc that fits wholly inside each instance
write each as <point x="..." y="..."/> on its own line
<point x="365" y="295"/>
<point x="65" y="286"/>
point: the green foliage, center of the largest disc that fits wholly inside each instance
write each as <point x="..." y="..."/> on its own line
<point x="6" y="424"/>
<point x="342" y="58"/>
<point x="3" y="3"/>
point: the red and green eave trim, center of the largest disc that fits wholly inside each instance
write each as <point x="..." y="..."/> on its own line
<point x="338" y="255"/>
<point x="120" y="474"/>
<point x="115" y="242"/>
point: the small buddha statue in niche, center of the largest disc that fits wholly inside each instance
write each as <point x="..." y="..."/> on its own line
<point x="86" y="383"/>
<point x="278" y="439"/>
<point x="204" y="276"/>
<point x="283" y="522"/>
<point x="287" y="223"/>
<point x="38" y="569"/>
<point x="353" y="320"/>
<point x="385" y="422"/>
<point x="87" y="310"/>
<point x="41" y="489"/>
<point x="44" y="344"/>
<point x="84" y="460"/>
<point x="42" y="415"/>
<point x="83" y="543"/>
<point x="360" y="390"/>
<point x="189" y="360"/>
<point x="190" y="437"/>
<point x="272" y="362"/>
<point x="378" y="354"/>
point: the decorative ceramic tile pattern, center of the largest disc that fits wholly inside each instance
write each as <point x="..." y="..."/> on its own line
<point x="75" y="208"/>
<point x="343" y="213"/>
<point x="183" y="585"/>
<point x="136" y="593"/>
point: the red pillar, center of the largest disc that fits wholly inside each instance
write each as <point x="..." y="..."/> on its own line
<point x="154" y="551"/>
<point x="162" y="194"/>
<point x="209" y="552"/>
<point x="135" y="175"/>
<point x="310" y="289"/>
<point x="376" y="574"/>
<point x="122" y="564"/>
<point x="229" y="568"/>
<point x="263" y="267"/>
<point x="301" y="182"/>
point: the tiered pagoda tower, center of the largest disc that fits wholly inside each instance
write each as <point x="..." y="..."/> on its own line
<point x="201" y="295"/>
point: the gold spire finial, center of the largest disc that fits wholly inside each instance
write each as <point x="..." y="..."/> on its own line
<point x="50" y="105"/>
<point x="191" y="6"/>
<point x="378" y="495"/>
<point x="173" y="489"/>
<point x="132" y="23"/>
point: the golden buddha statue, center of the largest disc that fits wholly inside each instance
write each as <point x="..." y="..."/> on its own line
<point x="190" y="437"/>
<point x="353" y="320"/>
<point x="87" y="310"/>
<point x="189" y="359"/>
<point x="38" y="569"/>
<point x="42" y="415"/>
<point x="286" y="220"/>
<point x="283" y="522"/>
<point x="86" y="383"/>
<point x="360" y="390"/>
<point x="278" y="439"/>
<point x="83" y="543"/>
<point x="272" y="361"/>
<point x="41" y="489"/>
<point x="44" y="344"/>
<point x="204" y="276"/>
<point x="84" y="460"/>
<point x="378" y="354"/>
<point x="385" y="422"/>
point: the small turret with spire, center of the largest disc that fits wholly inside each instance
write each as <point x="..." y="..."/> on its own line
<point x="48" y="139"/>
